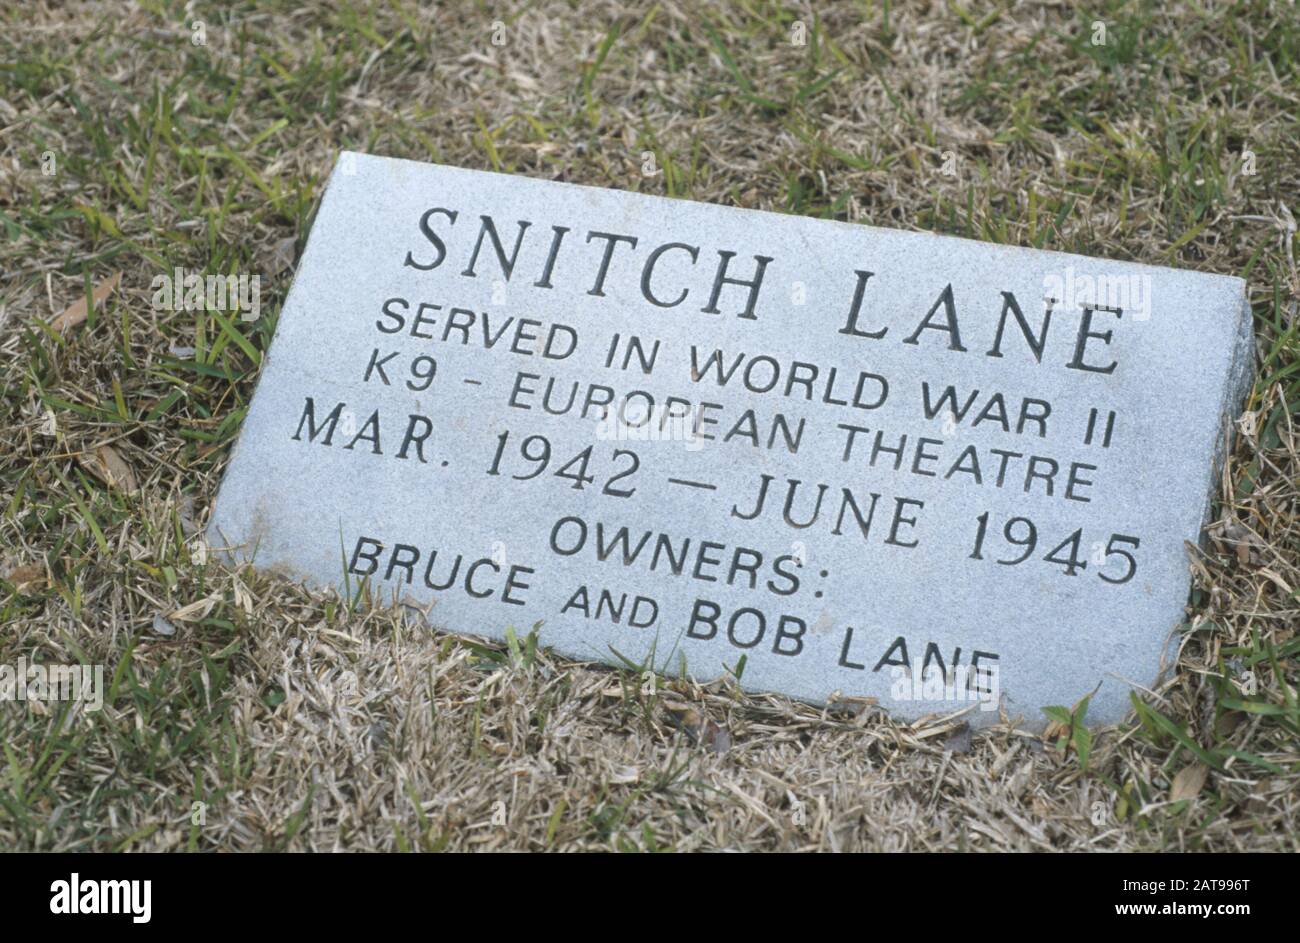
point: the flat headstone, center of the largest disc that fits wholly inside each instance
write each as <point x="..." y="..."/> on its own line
<point x="840" y="461"/>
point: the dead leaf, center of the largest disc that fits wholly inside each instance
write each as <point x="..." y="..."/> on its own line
<point x="1229" y="722"/>
<point x="685" y="718"/>
<point x="194" y="611"/>
<point x="27" y="577"/>
<point x="110" y="468"/>
<point x="1053" y="730"/>
<point x="1188" y="782"/>
<point x="1232" y="535"/>
<point x="282" y="255"/>
<point x="698" y="729"/>
<point x="244" y="599"/>
<point x="715" y="738"/>
<point x="76" y="312"/>
<point x="1258" y="807"/>
<point x="959" y="741"/>
<point x="185" y="510"/>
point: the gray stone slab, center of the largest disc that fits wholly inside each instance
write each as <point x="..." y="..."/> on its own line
<point x="431" y="417"/>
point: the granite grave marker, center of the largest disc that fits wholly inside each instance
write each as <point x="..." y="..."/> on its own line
<point x="871" y="463"/>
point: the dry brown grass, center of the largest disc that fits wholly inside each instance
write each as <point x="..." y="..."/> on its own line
<point x="303" y="725"/>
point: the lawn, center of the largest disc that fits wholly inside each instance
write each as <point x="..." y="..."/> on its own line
<point x="241" y="712"/>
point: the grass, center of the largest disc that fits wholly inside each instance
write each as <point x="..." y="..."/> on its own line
<point x="268" y="718"/>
